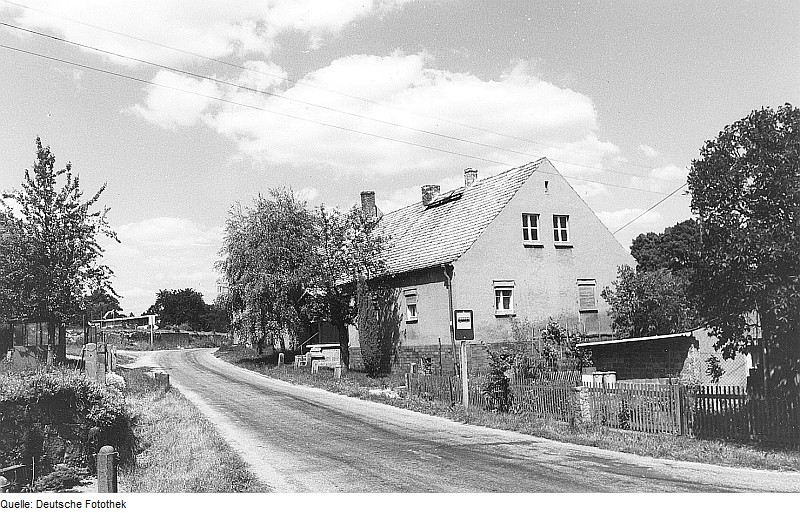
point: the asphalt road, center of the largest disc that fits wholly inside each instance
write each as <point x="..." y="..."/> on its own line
<point x="308" y="440"/>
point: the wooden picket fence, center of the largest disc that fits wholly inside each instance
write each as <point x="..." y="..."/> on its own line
<point x="705" y="411"/>
<point x="638" y="407"/>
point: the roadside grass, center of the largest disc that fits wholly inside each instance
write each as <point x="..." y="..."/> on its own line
<point x="177" y="449"/>
<point x="674" y="447"/>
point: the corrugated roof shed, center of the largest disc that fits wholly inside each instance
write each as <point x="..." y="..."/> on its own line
<point x="440" y="233"/>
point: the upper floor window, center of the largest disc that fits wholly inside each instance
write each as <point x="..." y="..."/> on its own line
<point x="504" y="297"/>
<point x="411" y="305"/>
<point x="530" y="228"/>
<point x="561" y="229"/>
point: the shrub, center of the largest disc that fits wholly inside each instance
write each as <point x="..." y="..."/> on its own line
<point x="60" y="417"/>
<point x="496" y="387"/>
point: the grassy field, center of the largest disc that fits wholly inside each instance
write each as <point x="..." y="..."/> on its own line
<point x="178" y="450"/>
<point x="357" y="384"/>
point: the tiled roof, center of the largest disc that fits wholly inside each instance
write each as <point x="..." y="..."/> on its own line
<point x="422" y="237"/>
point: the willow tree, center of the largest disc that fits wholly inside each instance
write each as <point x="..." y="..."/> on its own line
<point x="268" y="254"/>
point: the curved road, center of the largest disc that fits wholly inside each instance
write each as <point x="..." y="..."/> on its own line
<point x="303" y="439"/>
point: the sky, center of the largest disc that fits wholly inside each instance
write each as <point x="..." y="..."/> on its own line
<point x="200" y="106"/>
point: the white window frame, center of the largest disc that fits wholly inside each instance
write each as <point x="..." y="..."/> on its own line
<point x="559" y="230"/>
<point x="529" y="229"/>
<point x="411" y="316"/>
<point x="501" y="286"/>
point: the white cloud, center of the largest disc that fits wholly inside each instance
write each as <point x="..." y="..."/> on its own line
<point x="661" y="179"/>
<point x="212" y="28"/>
<point x="649" y="151"/>
<point x="652" y="220"/>
<point x="175" y="104"/>
<point x="307" y="194"/>
<point x="162" y="253"/>
<point x="406" y="91"/>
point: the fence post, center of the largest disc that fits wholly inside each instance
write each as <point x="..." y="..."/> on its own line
<point x="464" y="377"/>
<point x="107" y="470"/>
<point x="408" y="387"/>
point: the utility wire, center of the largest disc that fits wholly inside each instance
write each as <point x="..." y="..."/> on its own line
<point x="276" y="95"/>
<point x="330" y="125"/>
<point x="662" y="200"/>
<point x="302" y="83"/>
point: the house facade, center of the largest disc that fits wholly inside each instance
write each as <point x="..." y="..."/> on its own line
<point x="521" y="245"/>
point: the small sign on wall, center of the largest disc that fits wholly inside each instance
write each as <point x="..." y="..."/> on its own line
<point x="464" y="327"/>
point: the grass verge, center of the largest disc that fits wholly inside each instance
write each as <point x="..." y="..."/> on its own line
<point x="680" y="448"/>
<point x="178" y="450"/>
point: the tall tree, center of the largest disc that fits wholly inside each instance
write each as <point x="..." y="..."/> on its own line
<point x="268" y="255"/>
<point x="50" y="250"/>
<point x="99" y="303"/>
<point x="746" y="192"/>
<point x="348" y="245"/>
<point x="649" y="303"/>
<point x="676" y="249"/>
<point x="183" y="307"/>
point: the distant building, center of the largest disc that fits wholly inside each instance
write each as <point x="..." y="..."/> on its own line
<point x="518" y="245"/>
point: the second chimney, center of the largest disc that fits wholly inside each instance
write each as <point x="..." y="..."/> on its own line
<point x="428" y="193"/>
<point x="470" y="175"/>
<point x="368" y="203"/>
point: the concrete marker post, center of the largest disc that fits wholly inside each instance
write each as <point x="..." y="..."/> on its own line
<point x="4" y="484"/>
<point x="107" y="470"/>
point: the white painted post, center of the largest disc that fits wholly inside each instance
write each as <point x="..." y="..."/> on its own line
<point x="464" y="378"/>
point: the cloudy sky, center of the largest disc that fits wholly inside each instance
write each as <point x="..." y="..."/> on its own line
<point x="200" y="105"/>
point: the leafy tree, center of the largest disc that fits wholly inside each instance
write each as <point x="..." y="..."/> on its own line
<point x="97" y="304"/>
<point x="217" y="318"/>
<point x="184" y="307"/>
<point x="268" y="255"/>
<point x="378" y="326"/>
<point x="649" y="303"/>
<point x="49" y="241"/>
<point x="347" y="246"/>
<point x="746" y="192"/>
<point x="676" y="249"/>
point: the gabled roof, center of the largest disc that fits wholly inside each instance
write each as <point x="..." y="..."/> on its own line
<point x="426" y="236"/>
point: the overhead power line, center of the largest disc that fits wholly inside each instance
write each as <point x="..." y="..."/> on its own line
<point x="662" y="200"/>
<point x="288" y="98"/>
<point x="305" y="84"/>
<point x="321" y="123"/>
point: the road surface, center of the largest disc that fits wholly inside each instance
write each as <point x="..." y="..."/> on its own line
<point x="301" y="439"/>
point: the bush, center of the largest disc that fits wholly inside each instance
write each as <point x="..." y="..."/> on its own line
<point x="60" y="417"/>
<point x="496" y="387"/>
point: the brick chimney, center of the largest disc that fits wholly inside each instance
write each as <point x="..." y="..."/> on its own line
<point x="428" y="193"/>
<point x="470" y="175"/>
<point x="368" y="203"/>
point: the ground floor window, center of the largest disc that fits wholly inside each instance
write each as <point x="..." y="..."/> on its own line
<point x="504" y="297"/>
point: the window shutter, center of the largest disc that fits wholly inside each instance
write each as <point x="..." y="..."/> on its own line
<point x="586" y="297"/>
